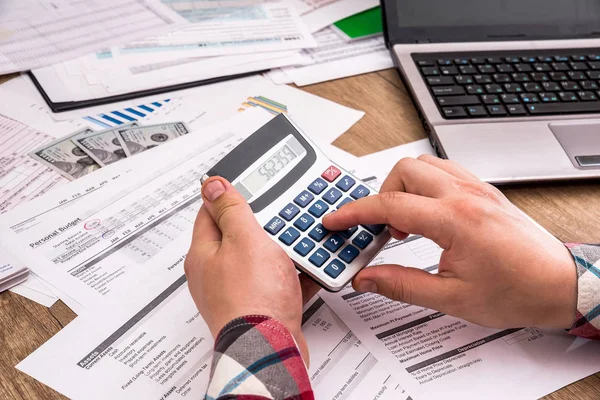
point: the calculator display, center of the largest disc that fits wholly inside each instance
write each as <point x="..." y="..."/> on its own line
<point x="270" y="169"/>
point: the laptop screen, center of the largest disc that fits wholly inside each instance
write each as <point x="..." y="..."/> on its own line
<point x="410" y="21"/>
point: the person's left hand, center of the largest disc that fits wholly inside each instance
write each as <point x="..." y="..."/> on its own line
<point x="235" y="269"/>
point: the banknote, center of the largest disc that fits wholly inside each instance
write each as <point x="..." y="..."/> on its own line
<point x="104" y="147"/>
<point x="138" y="139"/>
<point x="65" y="157"/>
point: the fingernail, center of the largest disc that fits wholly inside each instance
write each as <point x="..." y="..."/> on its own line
<point x="367" y="286"/>
<point x="213" y="190"/>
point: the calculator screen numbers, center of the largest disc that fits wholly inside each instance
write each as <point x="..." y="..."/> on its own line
<point x="276" y="163"/>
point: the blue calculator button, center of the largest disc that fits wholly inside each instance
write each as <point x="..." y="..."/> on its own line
<point x="318" y="208"/>
<point x="334" y="243"/>
<point x="318" y="186"/>
<point x="344" y="202"/>
<point x="345" y="183"/>
<point x="360" y="192"/>
<point x="274" y="225"/>
<point x="375" y="229"/>
<point x="304" y="198"/>
<point x="349" y="232"/>
<point x="319" y="257"/>
<point x="289" y="236"/>
<point x="318" y="232"/>
<point x="304" y="247"/>
<point x="304" y="222"/>
<point x="335" y="268"/>
<point x="363" y="239"/>
<point x="332" y="195"/>
<point x="349" y="253"/>
<point x="289" y="212"/>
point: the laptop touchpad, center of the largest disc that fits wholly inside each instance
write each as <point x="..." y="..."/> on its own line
<point x="581" y="142"/>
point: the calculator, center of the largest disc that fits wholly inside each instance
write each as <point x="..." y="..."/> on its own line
<point x="290" y="186"/>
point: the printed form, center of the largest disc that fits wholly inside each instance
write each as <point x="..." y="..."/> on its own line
<point x="94" y="239"/>
<point x="154" y="344"/>
<point x="41" y="32"/>
<point x="430" y="353"/>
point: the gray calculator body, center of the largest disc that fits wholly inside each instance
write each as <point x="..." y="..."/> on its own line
<point x="290" y="186"/>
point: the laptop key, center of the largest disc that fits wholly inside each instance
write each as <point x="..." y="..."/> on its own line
<point x="558" y="76"/>
<point x="587" y="96"/>
<point x="494" y="89"/>
<point x="545" y="59"/>
<point x="482" y="79"/>
<point x="476" y="111"/>
<point x="547" y="97"/>
<point x="510" y="99"/>
<point x="425" y="63"/>
<point x="540" y="77"/>
<point x="505" y="68"/>
<point x="486" y="69"/>
<point x="579" y="66"/>
<point x="513" y="88"/>
<point x="502" y="78"/>
<point x="587" y="85"/>
<point x="475" y="89"/>
<point x="454" y="112"/>
<point x="490" y="99"/>
<point x="512" y="60"/>
<point x="496" y="110"/>
<point x="448" y="90"/>
<point x="523" y="68"/>
<point x="593" y="74"/>
<point x="449" y="71"/>
<point x="542" y="67"/>
<point x="521" y="77"/>
<point x="458" y="101"/>
<point x="464" y="80"/>
<point x="529" y="98"/>
<point x="532" y="87"/>
<point x="577" y="75"/>
<point x="569" y="86"/>
<point x="551" y="87"/>
<point x="595" y="65"/>
<point x="439" y="81"/>
<point x="579" y="58"/>
<point x="516" y="109"/>
<point x="564" y="108"/>
<point x="430" y="71"/>
<point x="568" y="96"/>
<point x="560" y="66"/>
<point x="467" y="70"/>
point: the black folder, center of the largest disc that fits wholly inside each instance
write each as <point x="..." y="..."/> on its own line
<point x="58" y="107"/>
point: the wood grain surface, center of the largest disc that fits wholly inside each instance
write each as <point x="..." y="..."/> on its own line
<point x="570" y="211"/>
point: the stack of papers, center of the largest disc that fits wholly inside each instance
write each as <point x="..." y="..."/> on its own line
<point x="11" y="271"/>
<point x="197" y="43"/>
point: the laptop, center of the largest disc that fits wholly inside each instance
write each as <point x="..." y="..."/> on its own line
<point x="508" y="88"/>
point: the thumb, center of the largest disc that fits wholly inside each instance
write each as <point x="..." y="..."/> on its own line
<point x="228" y="208"/>
<point x="409" y="285"/>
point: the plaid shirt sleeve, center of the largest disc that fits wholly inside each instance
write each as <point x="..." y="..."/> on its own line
<point x="587" y="319"/>
<point x="256" y="358"/>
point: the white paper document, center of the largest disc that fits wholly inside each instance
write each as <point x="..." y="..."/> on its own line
<point x="228" y="27"/>
<point x="335" y="58"/>
<point x="317" y="14"/>
<point x="432" y="354"/>
<point x="154" y="344"/>
<point x="97" y="241"/>
<point x="41" y="32"/>
<point x="36" y="290"/>
<point x="21" y="177"/>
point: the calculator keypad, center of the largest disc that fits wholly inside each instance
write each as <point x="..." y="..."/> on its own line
<point x="309" y="238"/>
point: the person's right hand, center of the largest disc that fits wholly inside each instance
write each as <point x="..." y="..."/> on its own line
<point x="497" y="269"/>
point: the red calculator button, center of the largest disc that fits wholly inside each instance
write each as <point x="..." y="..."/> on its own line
<point x="331" y="174"/>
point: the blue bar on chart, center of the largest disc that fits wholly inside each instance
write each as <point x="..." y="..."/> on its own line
<point x="127" y="115"/>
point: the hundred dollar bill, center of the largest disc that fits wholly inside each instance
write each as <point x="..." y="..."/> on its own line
<point x="65" y="157"/>
<point x="104" y="147"/>
<point x="142" y="138"/>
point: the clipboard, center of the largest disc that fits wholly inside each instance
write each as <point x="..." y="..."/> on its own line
<point x="58" y="107"/>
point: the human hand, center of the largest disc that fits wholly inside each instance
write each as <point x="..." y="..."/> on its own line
<point x="497" y="269"/>
<point x="234" y="269"/>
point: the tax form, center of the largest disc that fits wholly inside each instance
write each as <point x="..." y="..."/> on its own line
<point x="335" y="58"/>
<point x="317" y="14"/>
<point x="21" y="177"/>
<point x="41" y="32"/>
<point x="430" y="353"/>
<point x="230" y="27"/>
<point x="154" y="344"/>
<point x="94" y="239"/>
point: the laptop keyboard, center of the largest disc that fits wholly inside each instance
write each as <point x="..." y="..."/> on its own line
<point x="513" y="84"/>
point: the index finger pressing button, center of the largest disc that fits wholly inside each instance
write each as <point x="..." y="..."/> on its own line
<point x="360" y="192"/>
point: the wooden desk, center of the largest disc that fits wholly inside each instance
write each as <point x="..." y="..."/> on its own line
<point x="569" y="211"/>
